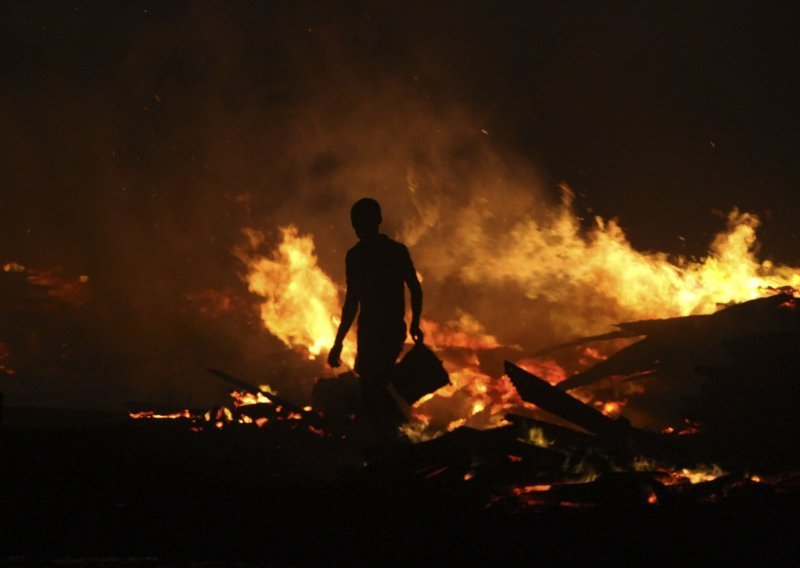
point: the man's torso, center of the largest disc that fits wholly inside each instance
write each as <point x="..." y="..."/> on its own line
<point x="376" y="271"/>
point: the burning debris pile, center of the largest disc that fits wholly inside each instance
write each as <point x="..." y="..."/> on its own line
<point x="686" y="400"/>
<point x="258" y="406"/>
<point x="682" y="394"/>
<point x="553" y="449"/>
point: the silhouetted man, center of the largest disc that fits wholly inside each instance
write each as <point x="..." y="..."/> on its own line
<point x="378" y="269"/>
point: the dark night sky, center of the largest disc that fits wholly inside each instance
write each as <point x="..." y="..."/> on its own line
<point x="128" y="130"/>
<point x="657" y="112"/>
<point x="625" y="99"/>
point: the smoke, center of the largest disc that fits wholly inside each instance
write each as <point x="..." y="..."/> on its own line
<point x="139" y="142"/>
<point x="139" y="157"/>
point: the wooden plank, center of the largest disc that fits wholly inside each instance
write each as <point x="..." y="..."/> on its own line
<point x="547" y="397"/>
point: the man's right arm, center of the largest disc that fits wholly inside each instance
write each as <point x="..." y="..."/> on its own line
<point x="349" y="311"/>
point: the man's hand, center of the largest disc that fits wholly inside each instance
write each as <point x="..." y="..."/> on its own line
<point x="416" y="333"/>
<point x="335" y="355"/>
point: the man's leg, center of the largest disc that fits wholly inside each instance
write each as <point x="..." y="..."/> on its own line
<point x="376" y="367"/>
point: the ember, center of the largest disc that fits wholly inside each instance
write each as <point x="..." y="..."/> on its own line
<point x="6" y="359"/>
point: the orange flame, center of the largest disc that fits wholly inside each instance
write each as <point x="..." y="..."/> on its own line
<point x="149" y="414"/>
<point x="464" y="332"/>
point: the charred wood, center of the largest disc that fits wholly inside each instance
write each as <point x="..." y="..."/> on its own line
<point x="465" y="447"/>
<point x="637" y="358"/>
<point x="238" y="383"/>
<point x="254" y="411"/>
<point x="615" y="490"/>
<point x="619" y="434"/>
<point x="547" y="397"/>
<point x="337" y="397"/>
<point x="134" y="407"/>
<point x="310" y="417"/>
<point x="750" y="404"/>
<point x="701" y="338"/>
<point x="619" y="334"/>
<point x="249" y="388"/>
<point x="560" y="437"/>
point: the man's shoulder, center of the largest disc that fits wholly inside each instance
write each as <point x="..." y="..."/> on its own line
<point x="382" y="243"/>
<point x="395" y="245"/>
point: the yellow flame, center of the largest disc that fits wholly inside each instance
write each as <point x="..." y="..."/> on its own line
<point x="472" y="399"/>
<point x="300" y="301"/>
<point x="612" y="408"/>
<point x="537" y="437"/>
<point x="699" y="475"/>
<point x="246" y="398"/>
<point x="559" y="261"/>
<point x="694" y="475"/>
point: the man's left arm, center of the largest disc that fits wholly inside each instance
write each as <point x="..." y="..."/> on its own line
<point x="415" y="288"/>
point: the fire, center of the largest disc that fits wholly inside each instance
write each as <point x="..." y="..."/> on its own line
<point x="612" y="409"/>
<point x="148" y="414"/>
<point x="674" y="476"/>
<point x="245" y="398"/>
<point x="465" y="332"/>
<point x="537" y="437"/>
<point x="548" y="369"/>
<point x="531" y="489"/>
<point x="592" y="280"/>
<point x="688" y="428"/>
<point x="243" y="403"/>
<point x="300" y="301"/>
<point x="472" y="399"/>
<point x="701" y="475"/>
<point x="595" y="279"/>
<point x="694" y="475"/>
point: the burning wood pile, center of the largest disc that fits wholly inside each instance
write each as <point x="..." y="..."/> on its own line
<point x="733" y="376"/>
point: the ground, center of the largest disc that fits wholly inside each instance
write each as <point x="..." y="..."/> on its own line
<point x="159" y="494"/>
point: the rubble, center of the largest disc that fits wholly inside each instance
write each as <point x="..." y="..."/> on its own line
<point x="280" y="480"/>
<point x="599" y="461"/>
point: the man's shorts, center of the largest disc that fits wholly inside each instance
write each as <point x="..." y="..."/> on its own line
<point x="378" y="350"/>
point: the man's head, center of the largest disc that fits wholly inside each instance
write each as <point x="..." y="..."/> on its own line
<point x="366" y="217"/>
